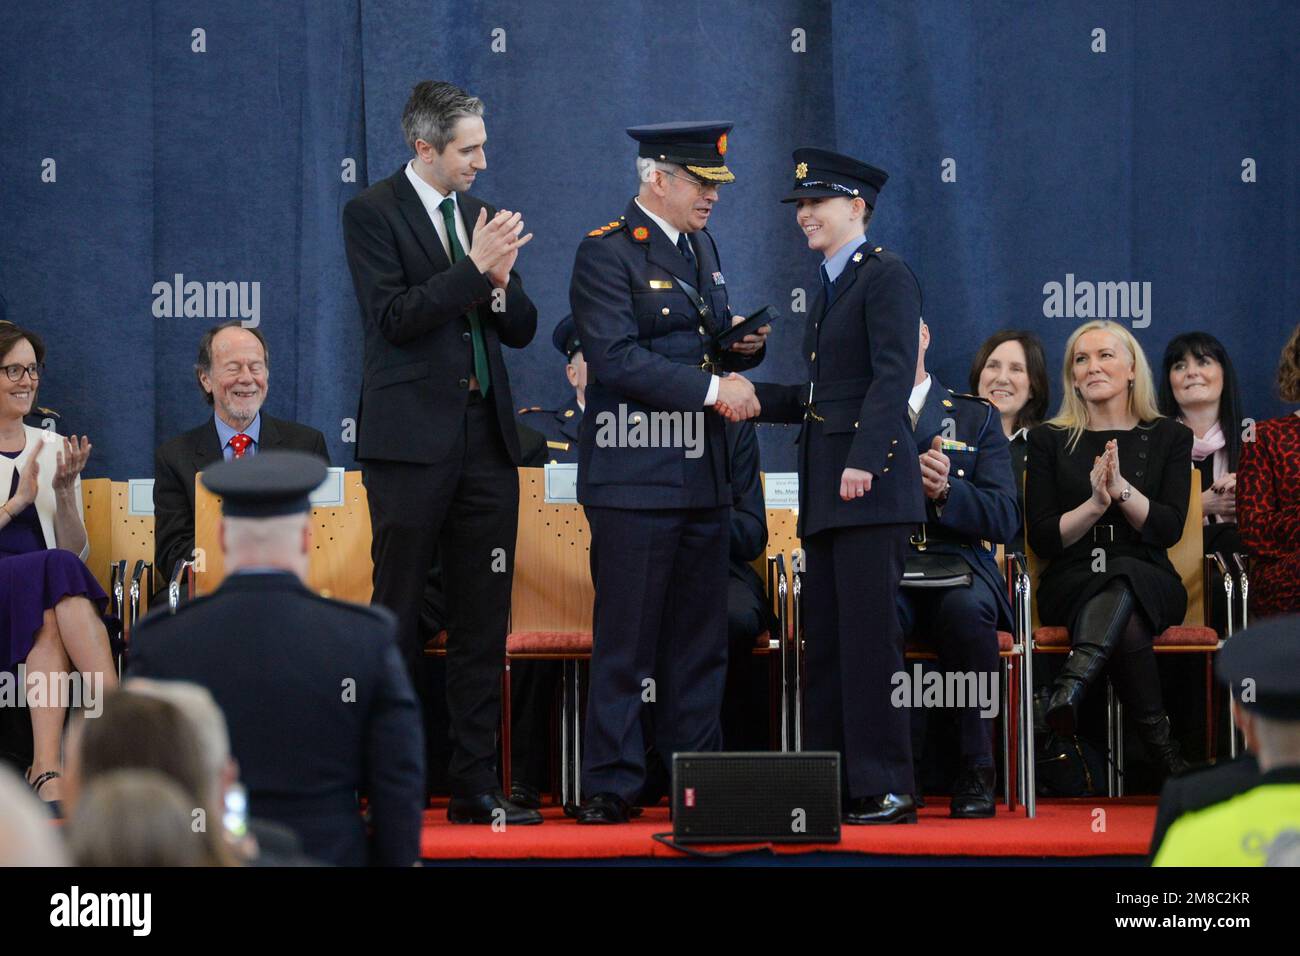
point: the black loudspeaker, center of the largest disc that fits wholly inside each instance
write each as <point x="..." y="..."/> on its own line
<point x="756" y="797"/>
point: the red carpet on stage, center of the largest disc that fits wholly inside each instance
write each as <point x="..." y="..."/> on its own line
<point x="1063" y="828"/>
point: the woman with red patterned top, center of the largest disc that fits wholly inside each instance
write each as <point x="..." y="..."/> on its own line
<point x="1268" y="498"/>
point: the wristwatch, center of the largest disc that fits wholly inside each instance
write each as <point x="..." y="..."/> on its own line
<point x="1127" y="493"/>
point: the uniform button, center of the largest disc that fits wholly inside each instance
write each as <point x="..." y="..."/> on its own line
<point x="1138" y="474"/>
<point x="886" y="469"/>
<point x="1145" y="437"/>
<point x="701" y="330"/>
<point x="890" y="455"/>
<point x="855" y="424"/>
<point x="812" y="357"/>
<point x="465" y="336"/>
<point x="636" y="419"/>
<point x="1142" y="454"/>
<point x="464" y="383"/>
<point x="894" y="442"/>
<point x="961" y="473"/>
<point x="664" y="310"/>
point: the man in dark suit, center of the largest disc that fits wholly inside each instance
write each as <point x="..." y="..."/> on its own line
<point x="433" y="272"/>
<point x="859" y="483"/>
<point x="649" y="300"/>
<point x="971" y="506"/>
<point x="233" y="369"/>
<point x="314" y="691"/>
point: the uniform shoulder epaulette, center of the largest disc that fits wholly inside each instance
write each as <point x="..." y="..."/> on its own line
<point x="535" y="408"/>
<point x="42" y="410"/>
<point x="606" y="229"/>
<point x="967" y="395"/>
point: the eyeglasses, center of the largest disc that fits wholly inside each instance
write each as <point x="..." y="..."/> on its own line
<point x="34" y="371"/>
<point x="699" y="184"/>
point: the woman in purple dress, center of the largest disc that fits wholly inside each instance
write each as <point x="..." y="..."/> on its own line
<point x="50" y="604"/>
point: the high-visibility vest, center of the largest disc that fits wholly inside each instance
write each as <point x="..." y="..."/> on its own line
<point x="1254" y="828"/>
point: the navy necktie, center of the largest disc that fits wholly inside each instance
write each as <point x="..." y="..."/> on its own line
<point x="827" y="285"/>
<point x="684" y="245"/>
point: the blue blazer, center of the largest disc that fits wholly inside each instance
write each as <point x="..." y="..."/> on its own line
<point x="861" y="351"/>
<point x="318" y="704"/>
<point x="982" y="502"/>
<point x="645" y="340"/>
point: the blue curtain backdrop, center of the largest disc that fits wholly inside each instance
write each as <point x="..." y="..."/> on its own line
<point x="231" y="165"/>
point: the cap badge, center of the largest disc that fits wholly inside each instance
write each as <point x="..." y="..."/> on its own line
<point x="722" y="145"/>
<point x="801" y="171"/>
<point x="640" y="233"/>
<point x="857" y="257"/>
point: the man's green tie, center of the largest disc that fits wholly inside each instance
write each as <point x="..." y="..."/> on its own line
<point x="448" y="209"/>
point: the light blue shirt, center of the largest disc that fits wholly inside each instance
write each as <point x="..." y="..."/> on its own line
<point x="836" y="263"/>
<point x="225" y="433"/>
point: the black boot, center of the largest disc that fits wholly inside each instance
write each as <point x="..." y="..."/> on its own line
<point x="972" y="794"/>
<point x="1156" y="735"/>
<point x="1097" y="631"/>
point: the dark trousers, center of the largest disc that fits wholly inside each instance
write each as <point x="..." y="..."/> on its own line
<point x="962" y="624"/>
<point x="467" y="507"/>
<point x="854" y="647"/>
<point x="660" y="615"/>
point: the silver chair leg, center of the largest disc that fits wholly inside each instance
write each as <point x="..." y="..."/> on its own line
<point x="1004" y="679"/>
<point x="797" y="662"/>
<point x="1112" y="784"/>
<point x="1029" y="795"/>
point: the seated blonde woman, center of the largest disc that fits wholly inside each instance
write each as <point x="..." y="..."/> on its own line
<point x="50" y="604"/>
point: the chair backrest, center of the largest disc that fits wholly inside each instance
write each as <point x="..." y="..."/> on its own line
<point x="1186" y="557"/>
<point x="552" y="588"/>
<point x="97" y="513"/>
<point x="340" y="564"/>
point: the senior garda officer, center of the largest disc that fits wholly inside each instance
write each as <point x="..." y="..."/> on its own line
<point x="648" y="297"/>
<point x="315" y="691"/>
<point x="953" y="593"/>
<point x="859" y="482"/>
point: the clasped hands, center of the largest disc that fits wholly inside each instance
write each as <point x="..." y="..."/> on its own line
<point x="496" y="243"/>
<point x="935" y="466"/>
<point x="1107" y="483"/>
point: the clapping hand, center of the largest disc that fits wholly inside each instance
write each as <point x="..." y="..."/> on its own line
<point x="1221" y="497"/>
<point x="1115" y="483"/>
<point x="71" y="460"/>
<point x="25" y="493"/>
<point x="496" y="243"/>
<point x="1100" y="479"/>
<point x="935" y="466"/>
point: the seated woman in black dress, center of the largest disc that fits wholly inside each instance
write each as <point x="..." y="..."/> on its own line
<point x="49" y="602"/>
<point x="1010" y="371"/>
<point x="1198" y="387"/>
<point x="1106" y="495"/>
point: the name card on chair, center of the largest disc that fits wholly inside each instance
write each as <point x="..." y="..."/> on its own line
<point x="561" y="484"/>
<point x="139" y="496"/>
<point x="329" y="493"/>
<point x="781" y="489"/>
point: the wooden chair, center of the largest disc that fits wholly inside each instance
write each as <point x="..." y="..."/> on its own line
<point x="1192" y="636"/>
<point x="785" y="668"/>
<point x="131" y="570"/>
<point x="551" y="605"/>
<point x="340" y="565"/>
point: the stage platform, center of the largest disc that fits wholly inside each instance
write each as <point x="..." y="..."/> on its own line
<point x="1065" y="831"/>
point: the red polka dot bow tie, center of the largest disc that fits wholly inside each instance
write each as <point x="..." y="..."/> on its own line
<point x="240" y="444"/>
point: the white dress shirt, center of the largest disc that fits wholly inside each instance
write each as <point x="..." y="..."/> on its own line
<point x="916" y="401"/>
<point x="672" y="234"/>
<point x="432" y="199"/>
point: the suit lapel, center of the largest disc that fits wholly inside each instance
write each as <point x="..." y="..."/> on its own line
<point x="207" y="449"/>
<point x="930" y="422"/>
<point x="270" y="436"/>
<point x="417" y="218"/>
<point x="845" y="280"/>
<point x="659" y="250"/>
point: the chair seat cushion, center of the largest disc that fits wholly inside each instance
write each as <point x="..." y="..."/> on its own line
<point x="923" y="646"/>
<point x="566" y="643"/>
<point x="1181" y="635"/>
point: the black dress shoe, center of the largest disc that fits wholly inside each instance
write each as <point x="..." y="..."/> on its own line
<point x="888" y="808"/>
<point x="522" y="795"/>
<point x="490" y="807"/>
<point x="603" y="808"/>
<point x="972" y="794"/>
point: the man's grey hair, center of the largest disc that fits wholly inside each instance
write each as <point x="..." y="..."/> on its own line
<point x="645" y="166"/>
<point x="432" y="112"/>
<point x="199" y="707"/>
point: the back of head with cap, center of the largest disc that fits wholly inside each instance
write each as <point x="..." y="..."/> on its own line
<point x="1261" y="667"/>
<point x="265" y="503"/>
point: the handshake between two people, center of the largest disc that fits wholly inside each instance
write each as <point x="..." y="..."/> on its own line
<point x="496" y="243"/>
<point x="736" y="401"/>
